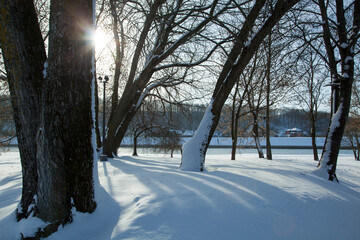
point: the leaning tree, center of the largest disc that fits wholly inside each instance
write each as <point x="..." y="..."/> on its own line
<point x="246" y="41"/>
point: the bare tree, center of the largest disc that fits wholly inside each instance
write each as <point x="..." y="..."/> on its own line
<point x="340" y="37"/>
<point x="146" y="122"/>
<point x="309" y="90"/>
<point x="255" y="97"/>
<point x="244" y="47"/>
<point x="167" y="27"/>
<point x="236" y="112"/>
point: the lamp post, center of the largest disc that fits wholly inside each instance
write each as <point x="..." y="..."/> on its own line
<point x="103" y="156"/>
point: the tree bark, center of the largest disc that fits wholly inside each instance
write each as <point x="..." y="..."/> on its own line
<point x="336" y="131"/>
<point x="65" y="152"/>
<point x="24" y="55"/>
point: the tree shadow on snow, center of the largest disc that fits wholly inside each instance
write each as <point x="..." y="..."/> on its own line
<point x="219" y="204"/>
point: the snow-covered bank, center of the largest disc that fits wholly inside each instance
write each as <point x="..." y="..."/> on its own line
<point x="150" y="198"/>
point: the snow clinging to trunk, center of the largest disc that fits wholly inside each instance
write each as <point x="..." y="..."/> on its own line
<point x="325" y="167"/>
<point x="193" y="151"/>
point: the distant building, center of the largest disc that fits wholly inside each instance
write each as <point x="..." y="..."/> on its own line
<point x="295" y="132"/>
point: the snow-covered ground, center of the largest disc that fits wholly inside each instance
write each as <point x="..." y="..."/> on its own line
<point x="148" y="197"/>
<point x="283" y="142"/>
<point x="286" y="142"/>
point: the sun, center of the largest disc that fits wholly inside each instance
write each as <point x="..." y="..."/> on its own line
<point x="101" y="40"/>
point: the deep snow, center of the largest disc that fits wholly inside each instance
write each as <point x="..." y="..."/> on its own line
<point x="149" y="197"/>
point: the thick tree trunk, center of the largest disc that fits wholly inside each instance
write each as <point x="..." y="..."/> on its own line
<point x="336" y="130"/>
<point x="24" y="56"/>
<point x="128" y="105"/>
<point x="65" y="152"/>
<point x="194" y="150"/>
<point x="118" y="126"/>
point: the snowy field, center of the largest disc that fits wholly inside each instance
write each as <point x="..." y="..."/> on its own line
<point x="148" y="197"/>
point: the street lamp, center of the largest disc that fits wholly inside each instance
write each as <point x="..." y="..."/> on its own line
<point x="103" y="156"/>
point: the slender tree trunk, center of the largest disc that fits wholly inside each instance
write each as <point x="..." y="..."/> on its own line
<point x="268" y="143"/>
<point x="357" y="156"/>
<point x="135" y="145"/>
<point x="24" y="55"/>
<point x="313" y="140"/>
<point x="353" y="147"/>
<point x="256" y="136"/>
<point x="234" y="126"/>
<point x="268" y="90"/>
